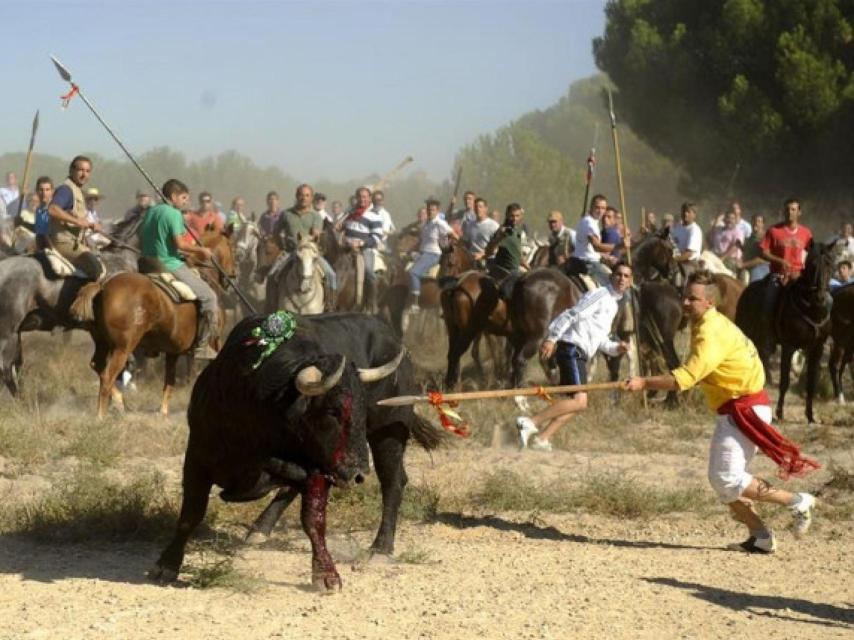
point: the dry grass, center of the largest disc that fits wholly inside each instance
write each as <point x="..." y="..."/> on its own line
<point x="87" y="505"/>
<point x="604" y="494"/>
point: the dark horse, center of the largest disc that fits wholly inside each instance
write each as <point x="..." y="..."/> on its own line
<point x="842" y="332"/>
<point x="795" y="316"/>
<point x="30" y="300"/>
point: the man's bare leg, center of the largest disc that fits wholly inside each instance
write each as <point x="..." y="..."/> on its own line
<point x="762" y="491"/>
<point x="558" y="414"/>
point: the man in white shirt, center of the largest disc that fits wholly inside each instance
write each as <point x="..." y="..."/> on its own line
<point x="588" y="241"/>
<point x="574" y="338"/>
<point x="377" y="199"/>
<point x="93" y="199"/>
<point x="561" y="240"/>
<point x="843" y="249"/>
<point x="688" y="236"/>
<point x="319" y="204"/>
<point x="10" y="194"/>
<point x="740" y="223"/>
<point x="477" y="234"/>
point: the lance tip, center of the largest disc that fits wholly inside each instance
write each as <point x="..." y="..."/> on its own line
<point x="62" y="70"/>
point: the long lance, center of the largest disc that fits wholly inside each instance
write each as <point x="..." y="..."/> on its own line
<point x="456" y="191"/>
<point x="23" y="190"/>
<point x="591" y="166"/>
<point x="626" y="229"/>
<point x="397" y="169"/>
<point x="75" y="90"/>
<point x="399" y="401"/>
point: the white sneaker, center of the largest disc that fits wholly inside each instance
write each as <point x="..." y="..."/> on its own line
<point x="526" y="428"/>
<point x="540" y="445"/>
<point x="765" y="545"/>
<point x="802" y="514"/>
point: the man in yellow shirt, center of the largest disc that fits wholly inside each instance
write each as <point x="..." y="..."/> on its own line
<point x="726" y="366"/>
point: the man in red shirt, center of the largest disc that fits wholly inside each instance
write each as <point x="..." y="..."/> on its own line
<point x="205" y="218"/>
<point x="785" y="244"/>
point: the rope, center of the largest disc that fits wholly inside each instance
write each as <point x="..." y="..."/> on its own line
<point x="451" y="420"/>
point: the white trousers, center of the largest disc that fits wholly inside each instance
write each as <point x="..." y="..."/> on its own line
<point x="730" y="454"/>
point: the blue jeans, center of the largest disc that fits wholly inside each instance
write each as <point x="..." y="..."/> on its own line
<point x="328" y="273"/>
<point x="420" y="268"/>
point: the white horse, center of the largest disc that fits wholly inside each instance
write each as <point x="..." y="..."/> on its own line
<point x="299" y="282"/>
<point x="246" y="259"/>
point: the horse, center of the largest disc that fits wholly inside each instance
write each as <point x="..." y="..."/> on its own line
<point x="30" y="300"/>
<point x="245" y="243"/>
<point x="298" y="285"/>
<point x="842" y="332"/>
<point x="652" y="259"/>
<point x="795" y="316"/>
<point x="128" y="311"/>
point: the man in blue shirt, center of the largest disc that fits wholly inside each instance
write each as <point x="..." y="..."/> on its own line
<point x="44" y="192"/>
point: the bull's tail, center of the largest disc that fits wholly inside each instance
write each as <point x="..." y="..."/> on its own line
<point x="83" y="307"/>
<point x="426" y="434"/>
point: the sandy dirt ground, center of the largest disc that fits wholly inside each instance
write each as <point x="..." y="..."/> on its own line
<point x="464" y="573"/>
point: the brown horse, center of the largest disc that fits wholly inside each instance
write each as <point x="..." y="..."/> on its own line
<point x="128" y="311"/>
<point x="653" y="260"/>
<point x="842" y="332"/>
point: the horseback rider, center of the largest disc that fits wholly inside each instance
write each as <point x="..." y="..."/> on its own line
<point x="688" y="235"/>
<point x="506" y="245"/>
<point x="303" y="220"/>
<point x="478" y="233"/>
<point x="785" y="244"/>
<point x="68" y="222"/>
<point x="267" y="221"/>
<point x="726" y="366"/>
<point x="589" y="247"/>
<point x="163" y="240"/>
<point x="363" y="230"/>
<point x="377" y="200"/>
<point x="561" y="240"/>
<point x="433" y="233"/>
<point x="44" y="192"/>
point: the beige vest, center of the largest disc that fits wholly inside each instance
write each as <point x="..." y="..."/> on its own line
<point x="67" y="238"/>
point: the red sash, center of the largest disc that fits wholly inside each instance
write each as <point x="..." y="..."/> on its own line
<point x="785" y="453"/>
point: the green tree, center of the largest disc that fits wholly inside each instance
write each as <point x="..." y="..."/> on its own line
<point x="539" y="161"/>
<point x="746" y="96"/>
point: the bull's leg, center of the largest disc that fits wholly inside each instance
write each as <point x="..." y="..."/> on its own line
<point x="114" y="364"/>
<point x="387" y="448"/>
<point x="836" y="372"/>
<point x="263" y="526"/>
<point x="313" y="516"/>
<point x="168" y="382"/>
<point x="197" y="487"/>
<point x="813" y="361"/>
<point x="785" y="371"/>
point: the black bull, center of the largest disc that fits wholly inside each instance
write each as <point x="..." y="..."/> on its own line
<point x="248" y="427"/>
<point x="368" y="342"/>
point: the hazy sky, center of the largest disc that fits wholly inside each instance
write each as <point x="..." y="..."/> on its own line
<point x="321" y="89"/>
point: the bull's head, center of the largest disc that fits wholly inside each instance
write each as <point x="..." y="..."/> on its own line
<point x="332" y="422"/>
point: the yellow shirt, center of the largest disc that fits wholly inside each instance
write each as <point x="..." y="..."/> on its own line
<point x="723" y="361"/>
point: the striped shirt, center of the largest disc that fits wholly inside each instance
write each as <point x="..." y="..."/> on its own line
<point x="368" y="228"/>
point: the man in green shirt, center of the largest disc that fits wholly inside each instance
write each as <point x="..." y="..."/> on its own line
<point x="304" y="220"/>
<point x="163" y="240"/>
<point x="506" y="244"/>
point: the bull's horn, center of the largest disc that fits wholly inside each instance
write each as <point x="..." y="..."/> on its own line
<point x="310" y="380"/>
<point x="378" y="373"/>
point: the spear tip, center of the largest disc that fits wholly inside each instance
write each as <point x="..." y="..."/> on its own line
<point x="66" y="75"/>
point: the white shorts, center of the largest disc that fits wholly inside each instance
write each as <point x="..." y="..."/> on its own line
<point x="729" y="455"/>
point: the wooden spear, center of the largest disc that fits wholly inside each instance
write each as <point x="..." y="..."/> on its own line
<point x="400" y="165"/>
<point x="626" y="229"/>
<point x="399" y="401"/>
<point x="23" y="190"/>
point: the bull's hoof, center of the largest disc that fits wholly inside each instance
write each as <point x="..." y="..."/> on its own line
<point x="255" y="538"/>
<point x="327" y="581"/>
<point x="163" y="575"/>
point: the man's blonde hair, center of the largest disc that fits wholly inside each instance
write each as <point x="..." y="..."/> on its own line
<point x="710" y="287"/>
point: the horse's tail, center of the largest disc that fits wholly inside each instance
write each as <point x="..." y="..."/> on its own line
<point x="83" y="307"/>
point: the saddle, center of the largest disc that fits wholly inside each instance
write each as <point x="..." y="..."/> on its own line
<point x="57" y="267"/>
<point x="175" y="290"/>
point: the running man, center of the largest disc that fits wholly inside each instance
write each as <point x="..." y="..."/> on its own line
<point x="575" y="337"/>
<point x="726" y="366"/>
